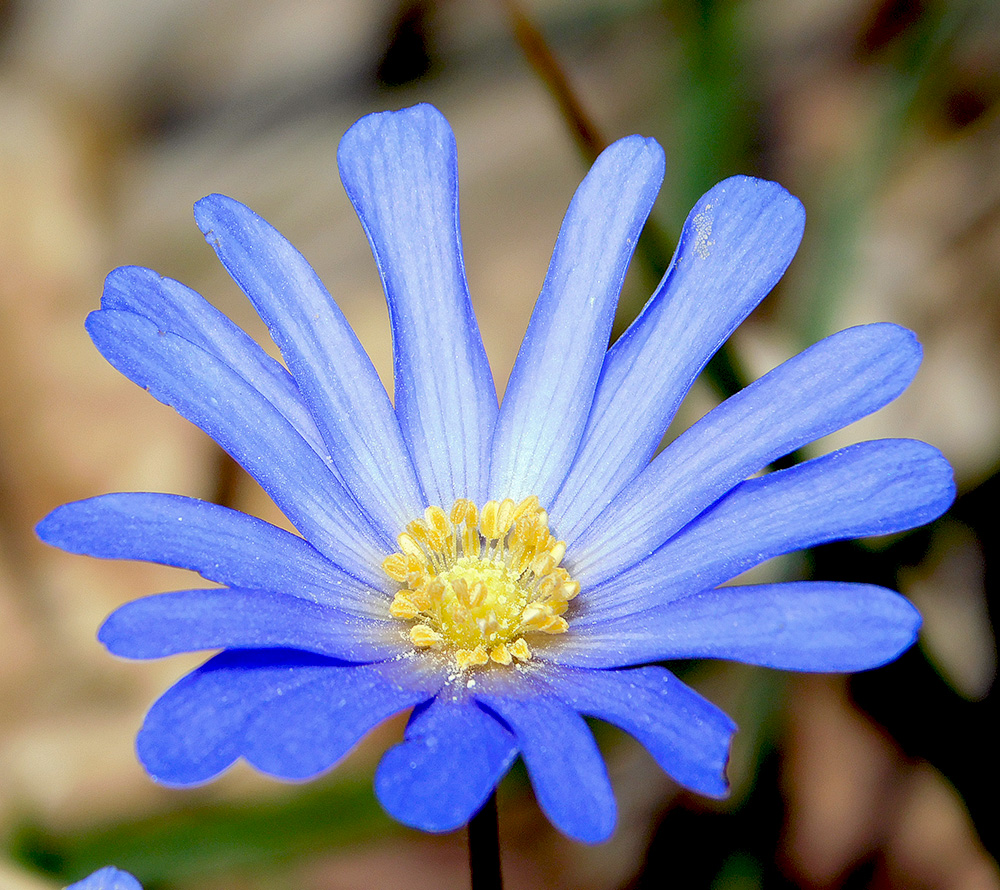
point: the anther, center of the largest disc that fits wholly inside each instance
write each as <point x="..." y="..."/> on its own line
<point x="417" y="530"/>
<point x="460" y="588"/>
<point x="396" y="567"/>
<point x="471" y="657"/>
<point x="533" y="612"/>
<point x="434" y="590"/>
<point x="436" y="519"/>
<point x="542" y="564"/>
<point x="488" y="624"/>
<point x="423" y="637"/>
<point x="555" y="625"/>
<point x="477" y="596"/>
<point x="410" y="547"/>
<point x="501" y="655"/>
<point x="569" y="589"/>
<point x="488" y="521"/>
<point x="519" y="649"/>
<point x="420" y="599"/>
<point x="505" y="516"/>
<point x="528" y="505"/>
<point x="403" y="607"/>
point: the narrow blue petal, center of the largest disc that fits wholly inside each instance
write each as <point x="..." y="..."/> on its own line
<point x="195" y="730"/>
<point x="223" y="545"/>
<point x="234" y="618"/>
<point x="399" y="170"/>
<point x="830" y="385"/>
<point x="290" y="714"/>
<point x="330" y="367"/>
<point x="687" y="735"/>
<point x="308" y="729"/>
<point x="734" y="247"/>
<point x="211" y="395"/>
<point x="175" y="308"/>
<point x="564" y="763"/>
<point x="551" y="387"/>
<point x="797" y="626"/>
<point x="452" y="758"/>
<point x="872" y="488"/>
<point x="108" y="878"/>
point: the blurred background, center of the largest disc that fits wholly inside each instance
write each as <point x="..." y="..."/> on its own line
<point x="882" y="115"/>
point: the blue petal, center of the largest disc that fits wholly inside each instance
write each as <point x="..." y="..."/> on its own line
<point x="329" y="365"/>
<point x="873" y="488"/>
<point x="735" y="246"/>
<point x="564" y="763"/>
<point x="798" y="626"/>
<point x="223" y="545"/>
<point x="687" y="735"/>
<point x="173" y="307"/>
<point x="211" y="395"/>
<point x="290" y="714"/>
<point x="108" y="878"/>
<point x="830" y="385"/>
<point x="233" y="618"/>
<point x="551" y="387"/>
<point x="452" y="758"/>
<point x="399" y="170"/>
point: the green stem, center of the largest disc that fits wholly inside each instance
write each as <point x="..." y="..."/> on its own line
<point x="484" y="847"/>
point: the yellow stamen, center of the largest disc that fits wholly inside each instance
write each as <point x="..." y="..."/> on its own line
<point x="475" y="580"/>
<point x="403" y="607"/>
<point x="423" y="637"/>
<point x="519" y="649"/>
<point x="501" y="654"/>
<point x="396" y="567"/>
<point x="471" y="657"/>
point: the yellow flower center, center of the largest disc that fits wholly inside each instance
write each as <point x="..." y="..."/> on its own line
<point x="476" y="582"/>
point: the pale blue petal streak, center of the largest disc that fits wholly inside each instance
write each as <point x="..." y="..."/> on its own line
<point x="872" y="488"/>
<point x="206" y="391"/>
<point x="452" y="758"/>
<point x="223" y="545"/>
<point x="108" y="878"/>
<point x="797" y="626"/>
<point x="565" y="766"/>
<point x="173" y="307"/>
<point x="290" y="714"/>
<point x="551" y="387"/>
<point x="687" y="735"/>
<point x="235" y="618"/>
<point x="330" y="367"/>
<point x="734" y="247"/>
<point x="399" y="170"/>
<point x="830" y="385"/>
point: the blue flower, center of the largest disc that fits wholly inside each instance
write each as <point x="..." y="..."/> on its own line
<point x="108" y="878"/>
<point x="502" y="570"/>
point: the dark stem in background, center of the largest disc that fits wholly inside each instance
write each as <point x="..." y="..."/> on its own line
<point x="484" y="847"/>
<point x="545" y="64"/>
<point x="724" y="372"/>
<point x="226" y="480"/>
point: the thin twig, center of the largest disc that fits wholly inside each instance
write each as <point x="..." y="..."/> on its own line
<point x="544" y="63"/>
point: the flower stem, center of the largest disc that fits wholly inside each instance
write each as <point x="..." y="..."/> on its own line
<point x="484" y="847"/>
